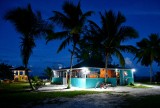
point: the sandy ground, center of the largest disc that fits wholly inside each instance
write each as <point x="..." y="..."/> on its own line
<point x="102" y="100"/>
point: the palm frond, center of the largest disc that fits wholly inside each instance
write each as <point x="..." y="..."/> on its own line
<point x="57" y="35"/>
<point x="148" y="50"/>
<point x="126" y="33"/>
<point x="59" y="18"/>
<point x="64" y="44"/>
<point x="120" y="57"/>
<point x="128" y="48"/>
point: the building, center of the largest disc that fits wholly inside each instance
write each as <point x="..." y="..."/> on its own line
<point x="90" y="77"/>
<point x="19" y="74"/>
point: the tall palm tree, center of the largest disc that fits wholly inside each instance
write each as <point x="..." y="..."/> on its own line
<point x="111" y="34"/>
<point x="72" y="21"/>
<point x="148" y="51"/>
<point x="31" y="26"/>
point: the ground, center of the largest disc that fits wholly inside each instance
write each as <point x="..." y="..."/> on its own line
<point x="114" y="99"/>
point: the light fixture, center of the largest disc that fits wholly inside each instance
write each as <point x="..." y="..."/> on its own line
<point x="85" y="70"/>
<point x="133" y="70"/>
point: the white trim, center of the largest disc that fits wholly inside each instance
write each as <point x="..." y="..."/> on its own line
<point x="93" y="67"/>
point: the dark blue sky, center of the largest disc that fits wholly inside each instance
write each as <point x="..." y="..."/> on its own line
<point x="143" y="15"/>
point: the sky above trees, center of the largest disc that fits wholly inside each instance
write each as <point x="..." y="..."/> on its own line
<point x="143" y="15"/>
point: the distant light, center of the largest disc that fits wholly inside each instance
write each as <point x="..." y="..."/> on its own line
<point x="116" y="70"/>
<point x="133" y="70"/>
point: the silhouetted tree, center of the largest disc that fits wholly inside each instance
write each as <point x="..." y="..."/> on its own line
<point x="108" y="37"/>
<point x="149" y="51"/>
<point x="31" y="26"/>
<point x="72" y="20"/>
<point x="5" y="71"/>
<point x="48" y="73"/>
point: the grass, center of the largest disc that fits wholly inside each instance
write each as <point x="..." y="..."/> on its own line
<point x="153" y="83"/>
<point x="138" y="86"/>
<point x="15" y="94"/>
<point x="14" y="86"/>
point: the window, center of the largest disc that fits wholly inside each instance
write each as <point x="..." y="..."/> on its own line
<point x="111" y="73"/>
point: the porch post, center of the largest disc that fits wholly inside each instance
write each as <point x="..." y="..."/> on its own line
<point x="132" y="75"/>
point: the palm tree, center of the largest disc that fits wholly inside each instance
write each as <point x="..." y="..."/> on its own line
<point x="110" y="35"/>
<point x="72" y="21"/>
<point x="148" y="51"/>
<point x="48" y="72"/>
<point x="30" y="25"/>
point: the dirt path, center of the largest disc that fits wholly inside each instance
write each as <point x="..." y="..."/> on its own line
<point x="102" y="100"/>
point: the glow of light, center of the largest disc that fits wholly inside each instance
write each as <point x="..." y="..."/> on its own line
<point x="116" y="70"/>
<point x="133" y="70"/>
<point x="85" y="70"/>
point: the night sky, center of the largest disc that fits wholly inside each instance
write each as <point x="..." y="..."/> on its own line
<point x="143" y="15"/>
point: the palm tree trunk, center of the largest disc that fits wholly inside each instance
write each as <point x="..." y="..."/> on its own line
<point x="71" y="62"/>
<point x="30" y="83"/>
<point x="106" y="66"/>
<point x="151" y="71"/>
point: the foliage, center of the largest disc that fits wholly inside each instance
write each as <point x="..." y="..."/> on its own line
<point x="31" y="26"/>
<point x="72" y="21"/>
<point x="157" y="77"/>
<point x="37" y="82"/>
<point x="149" y="51"/>
<point x="108" y="37"/>
<point x="137" y="86"/>
<point x="5" y="71"/>
<point x="48" y="73"/>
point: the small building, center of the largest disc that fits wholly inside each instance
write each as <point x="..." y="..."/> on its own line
<point x="90" y="77"/>
<point x="19" y="74"/>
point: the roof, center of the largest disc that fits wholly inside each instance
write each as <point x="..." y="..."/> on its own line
<point x="20" y="68"/>
<point x="90" y="63"/>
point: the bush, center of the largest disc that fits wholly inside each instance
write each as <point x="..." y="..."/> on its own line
<point x="37" y="82"/>
<point x="131" y="84"/>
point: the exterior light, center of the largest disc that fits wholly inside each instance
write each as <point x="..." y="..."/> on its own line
<point x="85" y="70"/>
<point x="116" y="70"/>
<point x="133" y="70"/>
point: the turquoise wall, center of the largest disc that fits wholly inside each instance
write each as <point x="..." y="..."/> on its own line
<point x="124" y="80"/>
<point x="113" y="81"/>
<point x="86" y="83"/>
<point x="78" y="82"/>
<point x="94" y="82"/>
<point x="130" y="80"/>
<point x="57" y="80"/>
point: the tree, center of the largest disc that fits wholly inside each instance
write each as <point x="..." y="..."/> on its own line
<point x="5" y="71"/>
<point x="31" y="26"/>
<point x="72" y="21"/>
<point x="109" y="37"/>
<point x="48" y="72"/>
<point x="148" y="51"/>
